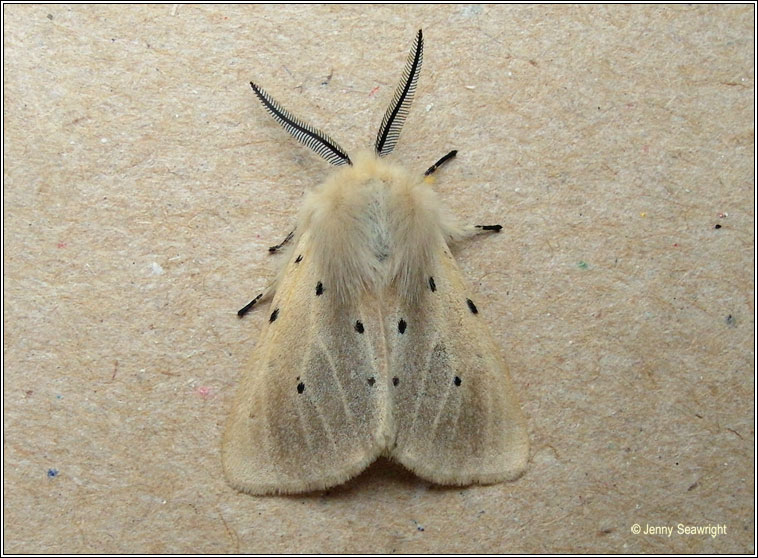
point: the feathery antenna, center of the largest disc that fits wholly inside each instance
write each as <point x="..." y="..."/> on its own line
<point x="306" y="134"/>
<point x="394" y="118"/>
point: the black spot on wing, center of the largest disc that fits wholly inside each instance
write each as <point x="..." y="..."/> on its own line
<point x="299" y="258"/>
<point x="457" y="381"/>
<point x="274" y="315"/>
<point x="395" y="381"/>
<point x="359" y="327"/>
<point x="371" y="381"/>
<point x="472" y="306"/>
<point x="431" y="284"/>
<point x="300" y="387"/>
<point x="401" y="325"/>
<point x="319" y="289"/>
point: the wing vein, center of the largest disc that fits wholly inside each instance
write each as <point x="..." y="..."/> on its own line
<point x="324" y="423"/>
<point x="303" y="423"/>
<point x="327" y="430"/>
<point x="333" y="368"/>
<point x="435" y="424"/>
<point x="422" y="397"/>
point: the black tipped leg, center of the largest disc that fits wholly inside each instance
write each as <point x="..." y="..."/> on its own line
<point x="282" y="243"/>
<point x="245" y="309"/>
<point x="493" y="228"/>
<point x="441" y="162"/>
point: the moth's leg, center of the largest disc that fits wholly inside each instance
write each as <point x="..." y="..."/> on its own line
<point x="269" y="291"/>
<point x="485" y="228"/>
<point x="455" y="232"/>
<point x="262" y="297"/>
<point x="458" y="231"/>
<point x="441" y="162"/>
<point x="282" y="243"/>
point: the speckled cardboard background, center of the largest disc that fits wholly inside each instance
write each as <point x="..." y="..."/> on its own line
<point x="143" y="184"/>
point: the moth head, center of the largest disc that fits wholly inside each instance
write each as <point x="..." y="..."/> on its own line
<point x="389" y="131"/>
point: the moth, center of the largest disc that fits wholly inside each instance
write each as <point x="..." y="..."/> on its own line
<point x="373" y="345"/>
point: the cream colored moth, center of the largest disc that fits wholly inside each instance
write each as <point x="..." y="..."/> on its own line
<point x="373" y="346"/>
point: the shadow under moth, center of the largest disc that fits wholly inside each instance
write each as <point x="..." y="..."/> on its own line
<point x="373" y="346"/>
